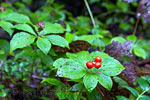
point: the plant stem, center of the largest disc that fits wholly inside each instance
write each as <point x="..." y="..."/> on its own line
<point x="135" y="28"/>
<point x="142" y="93"/>
<point x="90" y="12"/>
<point x="80" y="92"/>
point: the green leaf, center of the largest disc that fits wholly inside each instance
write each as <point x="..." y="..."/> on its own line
<point x="105" y="81"/>
<point x="59" y="62"/>
<point x="132" y="38"/>
<point x="122" y="6"/>
<point x="4" y="45"/>
<point x="147" y="78"/>
<point x="98" y="43"/>
<point x="53" y="81"/>
<point x="58" y="40"/>
<point x="21" y="40"/>
<point x="132" y="90"/>
<point x="144" y="97"/>
<point x="18" y="18"/>
<point x="142" y="83"/>
<point x="68" y="28"/>
<point x="94" y="95"/>
<point x="5" y="13"/>
<point x="61" y="94"/>
<point x="100" y="54"/>
<point x="69" y="37"/>
<point x="52" y="52"/>
<point x="25" y="54"/>
<point x="7" y="27"/>
<point x="1" y="86"/>
<point x="125" y="26"/>
<point x="120" y="81"/>
<point x="2" y="52"/>
<point x="45" y="98"/>
<point x="25" y="27"/>
<point x="122" y="98"/>
<point x="81" y="57"/>
<point x="118" y="39"/>
<point x="111" y="67"/>
<point x="3" y="94"/>
<point x="88" y="38"/>
<point x="72" y="70"/>
<point x="52" y="28"/>
<point x="43" y="44"/>
<point x="77" y="87"/>
<point x="139" y="52"/>
<point x="46" y="59"/>
<point x="90" y="81"/>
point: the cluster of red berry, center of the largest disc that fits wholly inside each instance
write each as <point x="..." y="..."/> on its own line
<point x="96" y="63"/>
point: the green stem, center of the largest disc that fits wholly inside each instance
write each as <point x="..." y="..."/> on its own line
<point x="80" y="92"/>
<point x="90" y="12"/>
<point x="137" y="22"/>
<point x="142" y="93"/>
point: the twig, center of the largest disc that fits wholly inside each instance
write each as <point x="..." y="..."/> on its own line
<point x="135" y="28"/>
<point x="90" y="13"/>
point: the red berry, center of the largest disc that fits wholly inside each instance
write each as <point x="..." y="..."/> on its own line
<point x="97" y="65"/>
<point x="89" y="64"/>
<point x="98" y="59"/>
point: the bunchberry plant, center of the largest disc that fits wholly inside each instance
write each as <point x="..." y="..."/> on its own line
<point x="79" y="67"/>
<point x="30" y="58"/>
<point x="30" y="33"/>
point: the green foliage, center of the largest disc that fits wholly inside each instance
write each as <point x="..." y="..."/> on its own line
<point x="29" y="56"/>
<point x="21" y="40"/>
<point x="88" y="38"/>
<point x="111" y="67"/>
<point x="2" y="92"/>
<point x="4" y="49"/>
<point x="52" y="28"/>
<point x="90" y="81"/>
<point x="118" y="39"/>
<point x="122" y="98"/>
<point x="58" y="40"/>
<point x="7" y="26"/>
<point x="105" y="81"/>
<point x="30" y="33"/>
<point x="25" y="27"/>
<point x="133" y="38"/>
<point x="18" y="18"/>
<point x="94" y="95"/>
<point x="44" y="44"/>
<point x="1" y="86"/>
<point x="141" y="49"/>
<point x="71" y="69"/>
<point x="140" y="52"/>
<point x="53" y="81"/>
<point x="137" y="93"/>
<point x="75" y="68"/>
